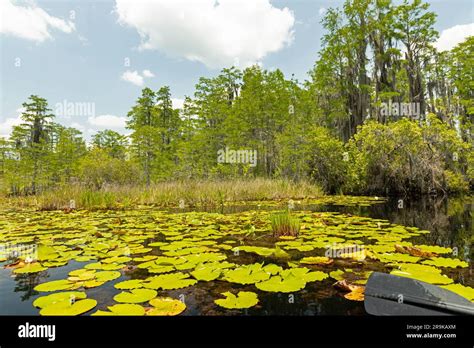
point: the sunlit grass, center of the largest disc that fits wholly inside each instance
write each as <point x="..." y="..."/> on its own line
<point x="283" y="224"/>
<point x="168" y="194"/>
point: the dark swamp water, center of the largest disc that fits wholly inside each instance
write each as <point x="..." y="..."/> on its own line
<point x="449" y="221"/>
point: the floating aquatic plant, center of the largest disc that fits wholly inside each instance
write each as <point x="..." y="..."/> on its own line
<point x="247" y="274"/>
<point x="206" y="272"/>
<point x="290" y="280"/>
<point x="127" y="309"/>
<point x="165" y="306"/>
<point x="170" y="281"/>
<point x="62" y="284"/>
<point x="70" y="296"/>
<point x="69" y="308"/>
<point x="316" y="260"/>
<point x="244" y="299"/>
<point x="174" y="251"/>
<point x="424" y="273"/>
<point x="135" y="296"/>
<point x="464" y="291"/>
<point x="129" y="284"/>
<point x="30" y="268"/>
<point x="446" y="262"/>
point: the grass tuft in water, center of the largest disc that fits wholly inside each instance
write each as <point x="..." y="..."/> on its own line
<point x="283" y="224"/>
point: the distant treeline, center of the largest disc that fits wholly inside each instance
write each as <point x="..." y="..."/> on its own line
<point x="382" y="112"/>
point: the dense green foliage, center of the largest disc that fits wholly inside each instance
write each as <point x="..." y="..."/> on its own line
<point x="334" y="129"/>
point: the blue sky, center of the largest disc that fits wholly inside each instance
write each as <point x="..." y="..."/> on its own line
<point x="75" y="52"/>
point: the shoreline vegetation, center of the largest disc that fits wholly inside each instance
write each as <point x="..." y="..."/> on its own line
<point x="191" y="193"/>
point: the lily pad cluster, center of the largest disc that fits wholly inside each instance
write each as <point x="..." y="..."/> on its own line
<point x="244" y="299"/>
<point x="69" y="303"/>
<point x="146" y="254"/>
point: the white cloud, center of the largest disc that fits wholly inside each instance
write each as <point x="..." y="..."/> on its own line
<point x="147" y="73"/>
<point x="452" y="36"/>
<point x="177" y="103"/>
<point x="30" y="22"/>
<point x="135" y="78"/>
<point x="215" y="33"/>
<point x="107" y="121"/>
<point x="322" y="11"/>
<point x="7" y="125"/>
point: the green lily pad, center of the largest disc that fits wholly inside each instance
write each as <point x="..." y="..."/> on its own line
<point x="81" y="274"/>
<point x="129" y="284"/>
<point x="316" y="260"/>
<point x="55" y="285"/>
<point x="382" y="248"/>
<point x="30" y="268"/>
<point x="93" y="283"/>
<point x="106" y="276"/>
<point x="161" y="269"/>
<point x="289" y="280"/>
<point x="169" y="281"/>
<point x="464" y="291"/>
<point x="157" y="244"/>
<point x="46" y="253"/>
<point x="272" y="269"/>
<point x="397" y="257"/>
<point x="54" y="263"/>
<point x="122" y="309"/>
<point x="104" y="266"/>
<point x="279" y="284"/>
<point x="145" y="258"/>
<point x="67" y="308"/>
<point x="203" y="257"/>
<point x="337" y="274"/>
<point x="247" y="274"/>
<point x="166" y="306"/>
<point x="135" y="296"/>
<point x="435" y="249"/>
<point x="423" y="273"/>
<point x="445" y="262"/>
<point x="414" y="267"/>
<point x="244" y="299"/>
<point x="117" y="259"/>
<point x="253" y="249"/>
<point x="206" y="273"/>
<point x="47" y="300"/>
<point x="305" y="274"/>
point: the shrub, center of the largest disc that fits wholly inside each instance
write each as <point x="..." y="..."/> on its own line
<point x="455" y="182"/>
<point x="98" y="169"/>
<point x="328" y="161"/>
<point x="407" y="157"/>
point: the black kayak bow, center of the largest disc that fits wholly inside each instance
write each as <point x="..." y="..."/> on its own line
<point x="386" y="294"/>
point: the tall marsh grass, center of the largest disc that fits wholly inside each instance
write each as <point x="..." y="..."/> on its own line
<point x="168" y="194"/>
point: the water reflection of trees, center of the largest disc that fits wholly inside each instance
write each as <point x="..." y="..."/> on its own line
<point x="448" y="220"/>
<point x="26" y="282"/>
